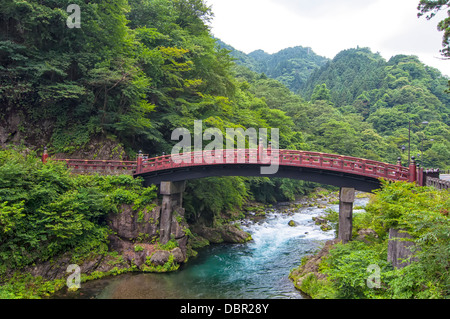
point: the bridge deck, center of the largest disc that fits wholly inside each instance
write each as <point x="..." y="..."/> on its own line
<point x="330" y="162"/>
<point x="310" y="166"/>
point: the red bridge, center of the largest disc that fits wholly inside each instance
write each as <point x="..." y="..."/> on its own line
<point x="336" y="170"/>
<point x="348" y="173"/>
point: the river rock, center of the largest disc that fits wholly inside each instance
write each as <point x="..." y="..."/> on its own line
<point x="129" y="224"/>
<point x="365" y="234"/>
<point x="226" y="233"/>
<point x="178" y="255"/>
<point x="320" y="221"/>
<point x="57" y="269"/>
<point x="233" y="234"/>
<point x="292" y="223"/>
<point x="160" y="257"/>
<point x="312" y="265"/>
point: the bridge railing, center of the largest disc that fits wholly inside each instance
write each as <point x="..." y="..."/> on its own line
<point x="345" y="163"/>
<point x="96" y="165"/>
<point x="285" y="157"/>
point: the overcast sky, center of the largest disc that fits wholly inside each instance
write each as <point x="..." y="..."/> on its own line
<point x="329" y="26"/>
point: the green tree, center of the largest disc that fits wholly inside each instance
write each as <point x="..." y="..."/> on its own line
<point x="430" y="8"/>
<point x="321" y="93"/>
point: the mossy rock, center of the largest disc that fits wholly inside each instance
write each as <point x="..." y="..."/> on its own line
<point x="198" y="242"/>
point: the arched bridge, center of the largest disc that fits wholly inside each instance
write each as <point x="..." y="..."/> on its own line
<point x="348" y="173"/>
<point x="330" y="169"/>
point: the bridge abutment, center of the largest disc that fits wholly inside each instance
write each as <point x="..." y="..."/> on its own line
<point x="172" y="201"/>
<point x="346" y="200"/>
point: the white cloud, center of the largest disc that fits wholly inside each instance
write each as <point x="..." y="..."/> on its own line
<point x="329" y="26"/>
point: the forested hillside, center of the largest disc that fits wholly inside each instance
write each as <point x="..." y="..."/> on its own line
<point x="291" y="66"/>
<point x="367" y="104"/>
<point x="389" y="94"/>
<point x="138" y="69"/>
<point x="132" y="73"/>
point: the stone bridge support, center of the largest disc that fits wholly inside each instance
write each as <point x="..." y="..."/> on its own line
<point x="172" y="202"/>
<point x="401" y="248"/>
<point x="346" y="200"/>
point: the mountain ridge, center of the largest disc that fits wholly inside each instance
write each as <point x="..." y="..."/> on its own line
<point x="291" y="66"/>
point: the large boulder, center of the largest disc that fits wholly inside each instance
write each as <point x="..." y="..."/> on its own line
<point x="366" y="235"/>
<point x="129" y="224"/>
<point x="223" y="234"/>
<point x="178" y="255"/>
<point x="311" y="266"/>
<point x="160" y="257"/>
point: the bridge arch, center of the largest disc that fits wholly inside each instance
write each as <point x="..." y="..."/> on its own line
<point x="336" y="170"/>
<point x="321" y="176"/>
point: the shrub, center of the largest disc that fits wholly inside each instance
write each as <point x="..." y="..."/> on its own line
<point x="45" y="211"/>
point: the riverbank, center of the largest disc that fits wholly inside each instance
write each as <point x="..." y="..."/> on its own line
<point x="257" y="269"/>
<point x="361" y="269"/>
<point x="132" y="247"/>
<point x="131" y="253"/>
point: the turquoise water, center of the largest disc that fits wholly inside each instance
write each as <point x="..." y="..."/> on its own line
<point x="256" y="270"/>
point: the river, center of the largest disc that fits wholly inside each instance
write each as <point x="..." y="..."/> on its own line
<point x="256" y="270"/>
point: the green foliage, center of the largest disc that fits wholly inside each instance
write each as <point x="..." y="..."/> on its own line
<point x="431" y="8"/>
<point x="25" y="286"/>
<point x="209" y="197"/>
<point x="291" y="66"/>
<point x="318" y="289"/>
<point x="347" y="267"/>
<point x="423" y="212"/>
<point x="171" y="244"/>
<point x="376" y="99"/>
<point x="44" y="211"/>
<point x="169" y="266"/>
<point x="138" y="248"/>
<point x="321" y="93"/>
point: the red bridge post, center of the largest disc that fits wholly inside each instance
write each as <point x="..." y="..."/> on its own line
<point x="139" y="163"/>
<point x="45" y="155"/>
<point x="413" y="170"/>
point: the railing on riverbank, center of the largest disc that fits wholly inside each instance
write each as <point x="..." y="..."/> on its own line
<point x="103" y="167"/>
<point x="438" y="183"/>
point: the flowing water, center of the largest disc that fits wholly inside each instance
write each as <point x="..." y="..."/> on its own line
<point x="256" y="270"/>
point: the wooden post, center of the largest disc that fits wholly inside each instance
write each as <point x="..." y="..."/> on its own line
<point x="421" y="177"/>
<point x="139" y="163"/>
<point x="346" y="200"/>
<point x="260" y="151"/>
<point x="45" y="155"/>
<point x="412" y="170"/>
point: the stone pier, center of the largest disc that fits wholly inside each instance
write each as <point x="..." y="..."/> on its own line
<point x="401" y="248"/>
<point x="172" y="202"/>
<point x="346" y="200"/>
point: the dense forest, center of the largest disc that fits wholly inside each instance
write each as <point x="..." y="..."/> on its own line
<point x="360" y="104"/>
<point x="155" y="67"/>
<point x="291" y="66"/>
<point x="138" y="69"/>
